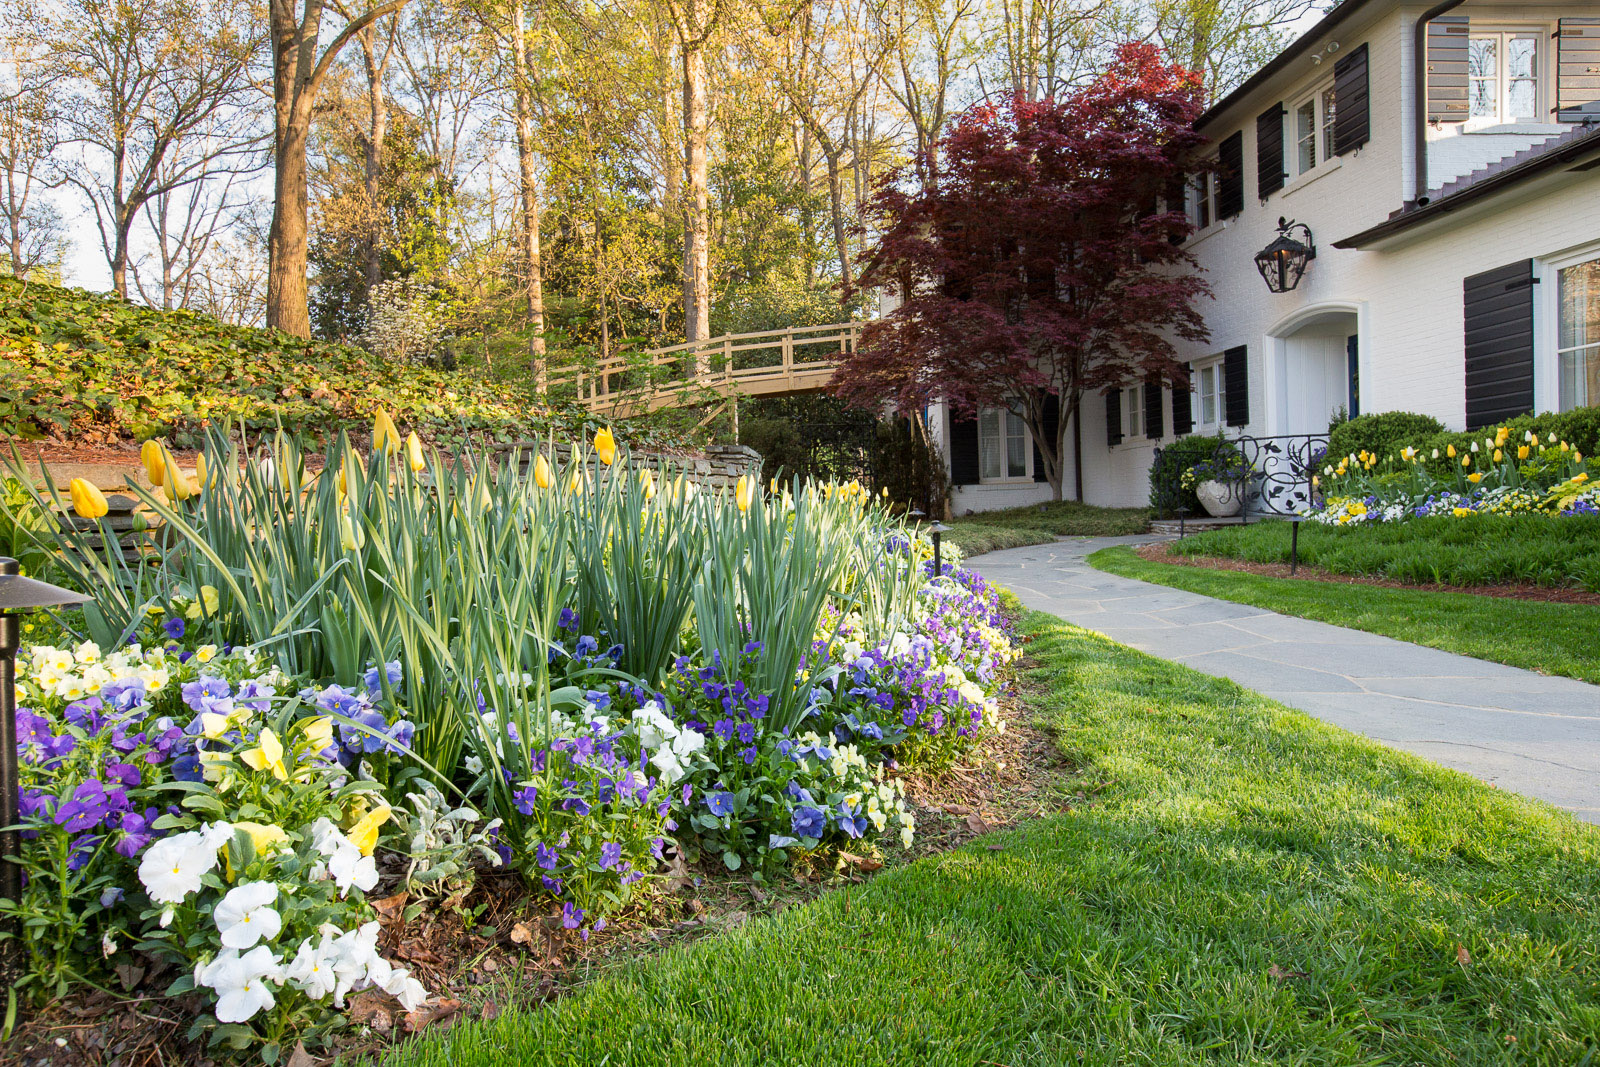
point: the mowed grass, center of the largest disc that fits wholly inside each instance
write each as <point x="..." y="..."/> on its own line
<point x="1550" y="638"/>
<point x="991" y="531"/>
<point x="1252" y="887"/>
<point x="1545" y="550"/>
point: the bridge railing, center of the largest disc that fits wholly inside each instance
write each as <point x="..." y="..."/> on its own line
<point x="763" y="362"/>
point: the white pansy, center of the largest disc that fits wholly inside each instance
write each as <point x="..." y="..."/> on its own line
<point x="243" y="984"/>
<point x="171" y="868"/>
<point x="653" y="726"/>
<point x="312" y="968"/>
<point x="246" y="915"/>
<point x="688" y="742"/>
<point x="348" y="867"/>
<point x="666" y="761"/>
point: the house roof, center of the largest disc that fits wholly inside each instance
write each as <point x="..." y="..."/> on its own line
<point x="1299" y="47"/>
<point x="1541" y="159"/>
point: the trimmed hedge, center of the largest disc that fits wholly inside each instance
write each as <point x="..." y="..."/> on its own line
<point x="1382" y="434"/>
<point x="1387" y="433"/>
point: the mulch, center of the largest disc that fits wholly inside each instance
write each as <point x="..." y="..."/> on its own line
<point x="1160" y="553"/>
<point x="505" y="947"/>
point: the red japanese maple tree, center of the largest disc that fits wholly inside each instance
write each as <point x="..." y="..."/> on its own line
<point x="1044" y="259"/>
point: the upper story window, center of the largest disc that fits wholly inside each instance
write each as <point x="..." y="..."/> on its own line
<point x="1003" y="452"/>
<point x="1503" y="76"/>
<point x="1311" y="129"/>
<point x="1202" y="197"/>
<point x="1578" y="334"/>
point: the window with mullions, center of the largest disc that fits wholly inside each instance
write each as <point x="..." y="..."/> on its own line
<point x="1503" y="76"/>
<point x="1003" y="446"/>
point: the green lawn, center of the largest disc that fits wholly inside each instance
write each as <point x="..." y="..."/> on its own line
<point x="1545" y="637"/>
<point x="990" y="531"/>
<point x="1534" y="549"/>
<point x="1253" y="887"/>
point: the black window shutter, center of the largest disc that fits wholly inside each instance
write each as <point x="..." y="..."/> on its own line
<point x="964" y="451"/>
<point x="1230" y="176"/>
<point x="1182" y="408"/>
<point x="1155" y="427"/>
<point x="1578" y="70"/>
<point x="1352" y="127"/>
<point x="1447" y="69"/>
<point x="1113" y="417"/>
<point x="1052" y="430"/>
<point x="1497" y="308"/>
<point x="1236" y="384"/>
<point x="1270" y="174"/>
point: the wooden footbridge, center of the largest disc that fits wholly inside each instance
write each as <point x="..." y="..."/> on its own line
<point x="799" y="359"/>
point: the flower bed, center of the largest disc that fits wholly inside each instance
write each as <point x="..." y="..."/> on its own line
<point x="1507" y="475"/>
<point x="582" y="676"/>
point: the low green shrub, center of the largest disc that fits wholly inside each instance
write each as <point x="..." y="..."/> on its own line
<point x="1529" y="549"/>
<point x="1382" y="434"/>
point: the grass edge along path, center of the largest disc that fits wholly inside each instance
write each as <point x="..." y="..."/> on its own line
<point x="1548" y="637"/>
<point x="1039" y="524"/>
<point x="1253" y="886"/>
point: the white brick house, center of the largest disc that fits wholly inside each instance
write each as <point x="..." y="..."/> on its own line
<point x="1475" y="299"/>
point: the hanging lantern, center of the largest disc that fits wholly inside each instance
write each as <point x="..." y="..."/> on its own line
<point x="1283" y="261"/>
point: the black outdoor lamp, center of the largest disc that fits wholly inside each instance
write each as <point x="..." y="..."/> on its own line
<point x="936" y="529"/>
<point x="17" y="595"/>
<point x="1283" y="261"/>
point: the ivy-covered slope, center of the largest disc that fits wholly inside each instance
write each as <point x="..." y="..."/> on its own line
<point x="94" y="368"/>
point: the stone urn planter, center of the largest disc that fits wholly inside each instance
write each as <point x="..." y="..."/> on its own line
<point x="1222" y="500"/>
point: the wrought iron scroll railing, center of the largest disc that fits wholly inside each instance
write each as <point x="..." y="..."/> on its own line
<point x="1278" y="473"/>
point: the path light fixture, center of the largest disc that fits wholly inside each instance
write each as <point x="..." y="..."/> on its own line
<point x="936" y="529"/>
<point x="1283" y="261"/>
<point x="17" y="595"/>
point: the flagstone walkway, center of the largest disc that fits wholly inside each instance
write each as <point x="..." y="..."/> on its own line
<point x="1513" y="728"/>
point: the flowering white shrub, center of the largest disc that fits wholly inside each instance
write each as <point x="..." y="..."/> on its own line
<point x="403" y="322"/>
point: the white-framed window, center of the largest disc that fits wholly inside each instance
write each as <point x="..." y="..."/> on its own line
<point x="1133" y="412"/>
<point x="1311" y="129"/>
<point x="1503" y="76"/>
<point x="1578" y="334"/>
<point x="1004" y="452"/>
<point x="1202" y="197"/>
<point x="1210" y="400"/>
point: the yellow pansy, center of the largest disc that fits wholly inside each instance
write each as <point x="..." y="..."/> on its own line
<point x="268" y="756"/>
<point x="213" y="725"/>
<point x="605" y="446"/>
<point x="208" y="597"/>
<point x="364" y="834"/>
<point x="318" y="732"/>
<point x="87" y="499"/>
<point x="264" y="837"/>
<point x="543" y="476"/>
<point x="1459" y="512"/>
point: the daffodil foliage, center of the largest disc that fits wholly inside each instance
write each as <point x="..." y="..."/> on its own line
<point x="596" y="669"/>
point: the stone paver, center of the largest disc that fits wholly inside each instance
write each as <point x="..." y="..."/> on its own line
<point x="1512" y="728"/>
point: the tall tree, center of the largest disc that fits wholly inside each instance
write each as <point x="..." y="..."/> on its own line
<point x="1044" y="262"/>
<point x="31" y="229"/>
<point x="300" y="63"/>
<point x="527" y="183"/>
<point x="148" y="76"/>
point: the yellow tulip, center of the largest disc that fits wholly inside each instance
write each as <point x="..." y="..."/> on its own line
<point x="414" y="452"/>
<point x="744" y="492"/>
<point x="1466" y="461"/>
<point x="385" y="436"/>
<point x="1450" y="450"/>
<point x="543" y="476"/>
<point x="87" y="499"/>
<point x="1522" y="451"/>
<point x="605" y="446"/>
<point x="1498" y="456"/>
<point x="268" y="756"/>
<point x="572" y="483"/>
<point x="648" y="482"/>
<point x="344" y="486"/>
<point x="349" y="533"/>
<point x="176" y="486"/>
<point x="155" y="464"/>
<point x="364" y="834"/>
<point x="1475" y="477"/>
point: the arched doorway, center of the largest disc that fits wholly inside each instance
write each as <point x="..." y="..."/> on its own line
<point x="1314" y="369"/>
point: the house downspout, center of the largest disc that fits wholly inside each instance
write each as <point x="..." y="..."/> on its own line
<point x="1419" y="91"/>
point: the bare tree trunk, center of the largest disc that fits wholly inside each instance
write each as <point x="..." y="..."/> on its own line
<point x="377" y="130"/>
<point x="807" y="218"/>
<point x="531" y="252"/>
<point x="697" y="247"/>
<point x="286" y="239"/>
<point x="836" y="206"/>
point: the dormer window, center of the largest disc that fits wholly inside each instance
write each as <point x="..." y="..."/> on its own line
<point x="1503" y="76"/>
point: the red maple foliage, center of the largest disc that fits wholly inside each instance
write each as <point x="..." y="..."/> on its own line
<point x="1043" y="260"/>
